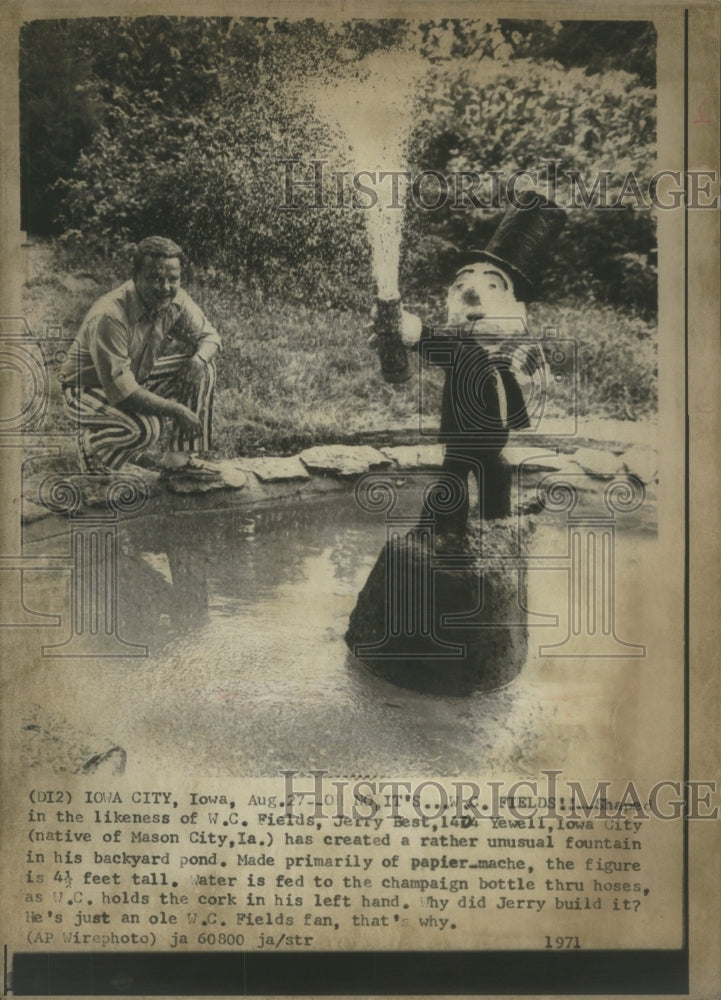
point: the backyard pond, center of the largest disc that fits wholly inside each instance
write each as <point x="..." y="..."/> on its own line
<point x="243" y="613"/>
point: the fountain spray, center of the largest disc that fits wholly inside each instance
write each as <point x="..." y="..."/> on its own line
<point x="375" y="113"/>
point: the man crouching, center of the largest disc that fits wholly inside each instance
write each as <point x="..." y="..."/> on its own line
<point x="143" y="353"/>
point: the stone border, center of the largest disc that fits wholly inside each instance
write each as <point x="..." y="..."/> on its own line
<point x="250" y="482"/>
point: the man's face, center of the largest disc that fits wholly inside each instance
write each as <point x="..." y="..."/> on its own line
<point x="158" y="281"/>
<point x="481" y="293"/>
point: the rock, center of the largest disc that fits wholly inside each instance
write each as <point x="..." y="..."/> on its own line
<point x="537" y="459"/>
<point x="175" y="460"/>
<point x="483" y="653"/>
<point x="65" y="492"/>
<point x="158" y="562"/>
<point x="33" y="511"/>
<point x="597" y="462"/>
<point x="78" y="283"/>
<point x="641" y="462"/>
<point x="343" y="460"/>
<point x="638" y="460"/>
<point x="421" y="456"/>
<point x="94" y="489"/>
<point x="231" y="477"/>
<point x="274" y="470"/>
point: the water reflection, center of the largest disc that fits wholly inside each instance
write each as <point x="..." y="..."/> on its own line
<point x="248" y="670"/>
<point x="179" y="573"/>
<point x="182" y="572"/>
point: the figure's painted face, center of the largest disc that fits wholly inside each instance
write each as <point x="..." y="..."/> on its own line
<point x="158" y="281"/>
<point x="482" y="293"/>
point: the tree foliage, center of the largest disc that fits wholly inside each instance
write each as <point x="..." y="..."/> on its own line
<point x="492" y="117"/>
<point x="177" y="125"/>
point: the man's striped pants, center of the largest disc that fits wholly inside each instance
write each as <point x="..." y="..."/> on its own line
<point x="113" y="436"/>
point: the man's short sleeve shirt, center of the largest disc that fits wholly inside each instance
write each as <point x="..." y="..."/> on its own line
<point x="120" y="340"/>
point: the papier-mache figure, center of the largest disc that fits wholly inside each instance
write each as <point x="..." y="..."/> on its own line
<point x="451" y="617"/>
<point x="490" y="372"/>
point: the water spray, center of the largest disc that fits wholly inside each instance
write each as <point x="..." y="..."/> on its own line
<point x="374" y="111"/>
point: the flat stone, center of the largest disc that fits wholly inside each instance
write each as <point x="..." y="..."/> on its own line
<point x="186" y="485"/>
<point x="641" y="462"/>
<point x="33" y="511"/>
<point x="231" y="477"/>
<point x="597" y="462"/>
<point x="420" y="456"/>
<point x="159" y="563"/>
<point x="274" y="470"/>
<point x="536" y="459"/>
<point x="232" y="474"/>
<point x="94" y="489"/>
<point x="343" y="460"/>
<point x="67" y="491"/>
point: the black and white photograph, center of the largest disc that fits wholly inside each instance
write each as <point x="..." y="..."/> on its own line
<point x="360" y="392"/>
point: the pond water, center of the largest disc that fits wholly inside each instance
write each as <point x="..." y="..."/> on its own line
<point x="244" y="617"/>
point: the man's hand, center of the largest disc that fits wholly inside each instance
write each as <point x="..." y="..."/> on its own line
<point x="144" y="401"/>
<point x="187" y="420"/>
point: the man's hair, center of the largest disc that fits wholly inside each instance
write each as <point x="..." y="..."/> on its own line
<point x="152" y="247"/>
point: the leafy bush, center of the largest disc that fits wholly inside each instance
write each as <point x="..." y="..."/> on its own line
<point x="617" y="372"/>
<point x="177" y="126"/>
<point x="494" y="116"/>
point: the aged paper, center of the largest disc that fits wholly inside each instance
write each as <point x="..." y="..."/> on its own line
<point x="204" y="791"/>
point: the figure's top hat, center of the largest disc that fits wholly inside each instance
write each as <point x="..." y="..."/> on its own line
<point x="522" y="240"/>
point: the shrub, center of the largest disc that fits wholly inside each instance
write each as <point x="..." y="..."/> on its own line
<point x="192" y="117"/>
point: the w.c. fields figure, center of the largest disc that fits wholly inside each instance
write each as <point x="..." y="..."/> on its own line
<point x="144" y="352"/>
<point x="483" y="392"/>
<point x="453" y="617"/>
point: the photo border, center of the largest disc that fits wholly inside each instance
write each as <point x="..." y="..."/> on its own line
<point x="641" y="972"/>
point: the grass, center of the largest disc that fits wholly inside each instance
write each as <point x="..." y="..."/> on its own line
<point x="292" y="376"/>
